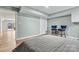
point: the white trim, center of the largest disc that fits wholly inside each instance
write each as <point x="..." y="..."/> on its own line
<point x="28" y="37"/>
<point x="43" y="34"/>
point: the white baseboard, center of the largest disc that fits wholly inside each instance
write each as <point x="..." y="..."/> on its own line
<point x="72" y="37"/>
<point x="28" y="37"/>
<point x="42" y="34"/>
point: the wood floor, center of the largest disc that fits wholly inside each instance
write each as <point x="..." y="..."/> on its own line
<point x="7" y="41"/>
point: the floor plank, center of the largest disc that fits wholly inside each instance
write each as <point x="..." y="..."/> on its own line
<point x="7" y="41"/>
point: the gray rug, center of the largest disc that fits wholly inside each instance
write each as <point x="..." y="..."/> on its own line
<point x="48" y="43"/>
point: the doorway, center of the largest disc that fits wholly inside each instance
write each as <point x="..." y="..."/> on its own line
<point x="7" y="30"/>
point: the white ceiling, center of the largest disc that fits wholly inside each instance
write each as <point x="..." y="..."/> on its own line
<point x="51" y="9"/>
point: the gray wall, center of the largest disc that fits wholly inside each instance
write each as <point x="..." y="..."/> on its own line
<point x="27" y="26"/>
<point x="72" y="28"/>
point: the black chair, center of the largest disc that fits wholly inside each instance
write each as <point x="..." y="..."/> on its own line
<point x="62" y="30"/>
<point x="54" y="29"/>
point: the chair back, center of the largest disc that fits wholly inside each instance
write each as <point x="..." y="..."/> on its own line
<point x="54" y="26"/>
<point x="63" y="27"/>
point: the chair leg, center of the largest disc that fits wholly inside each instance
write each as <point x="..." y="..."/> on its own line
<point x="61" y="33"/>
<point x="55" y="31"/>
<point x="65" y="34"/>
<point x="51" y="32"/>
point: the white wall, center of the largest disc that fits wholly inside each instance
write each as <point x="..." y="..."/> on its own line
<point x="72" y="28"/>
<point x="29" y="26"/>
<point x="72" y="22"/>
<point x="64" y="12"/>
<point x="30" y="22"/>
<point x="75" y="15"/>
<point x="74" y="12"/>
<point x="32" y="12"/>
